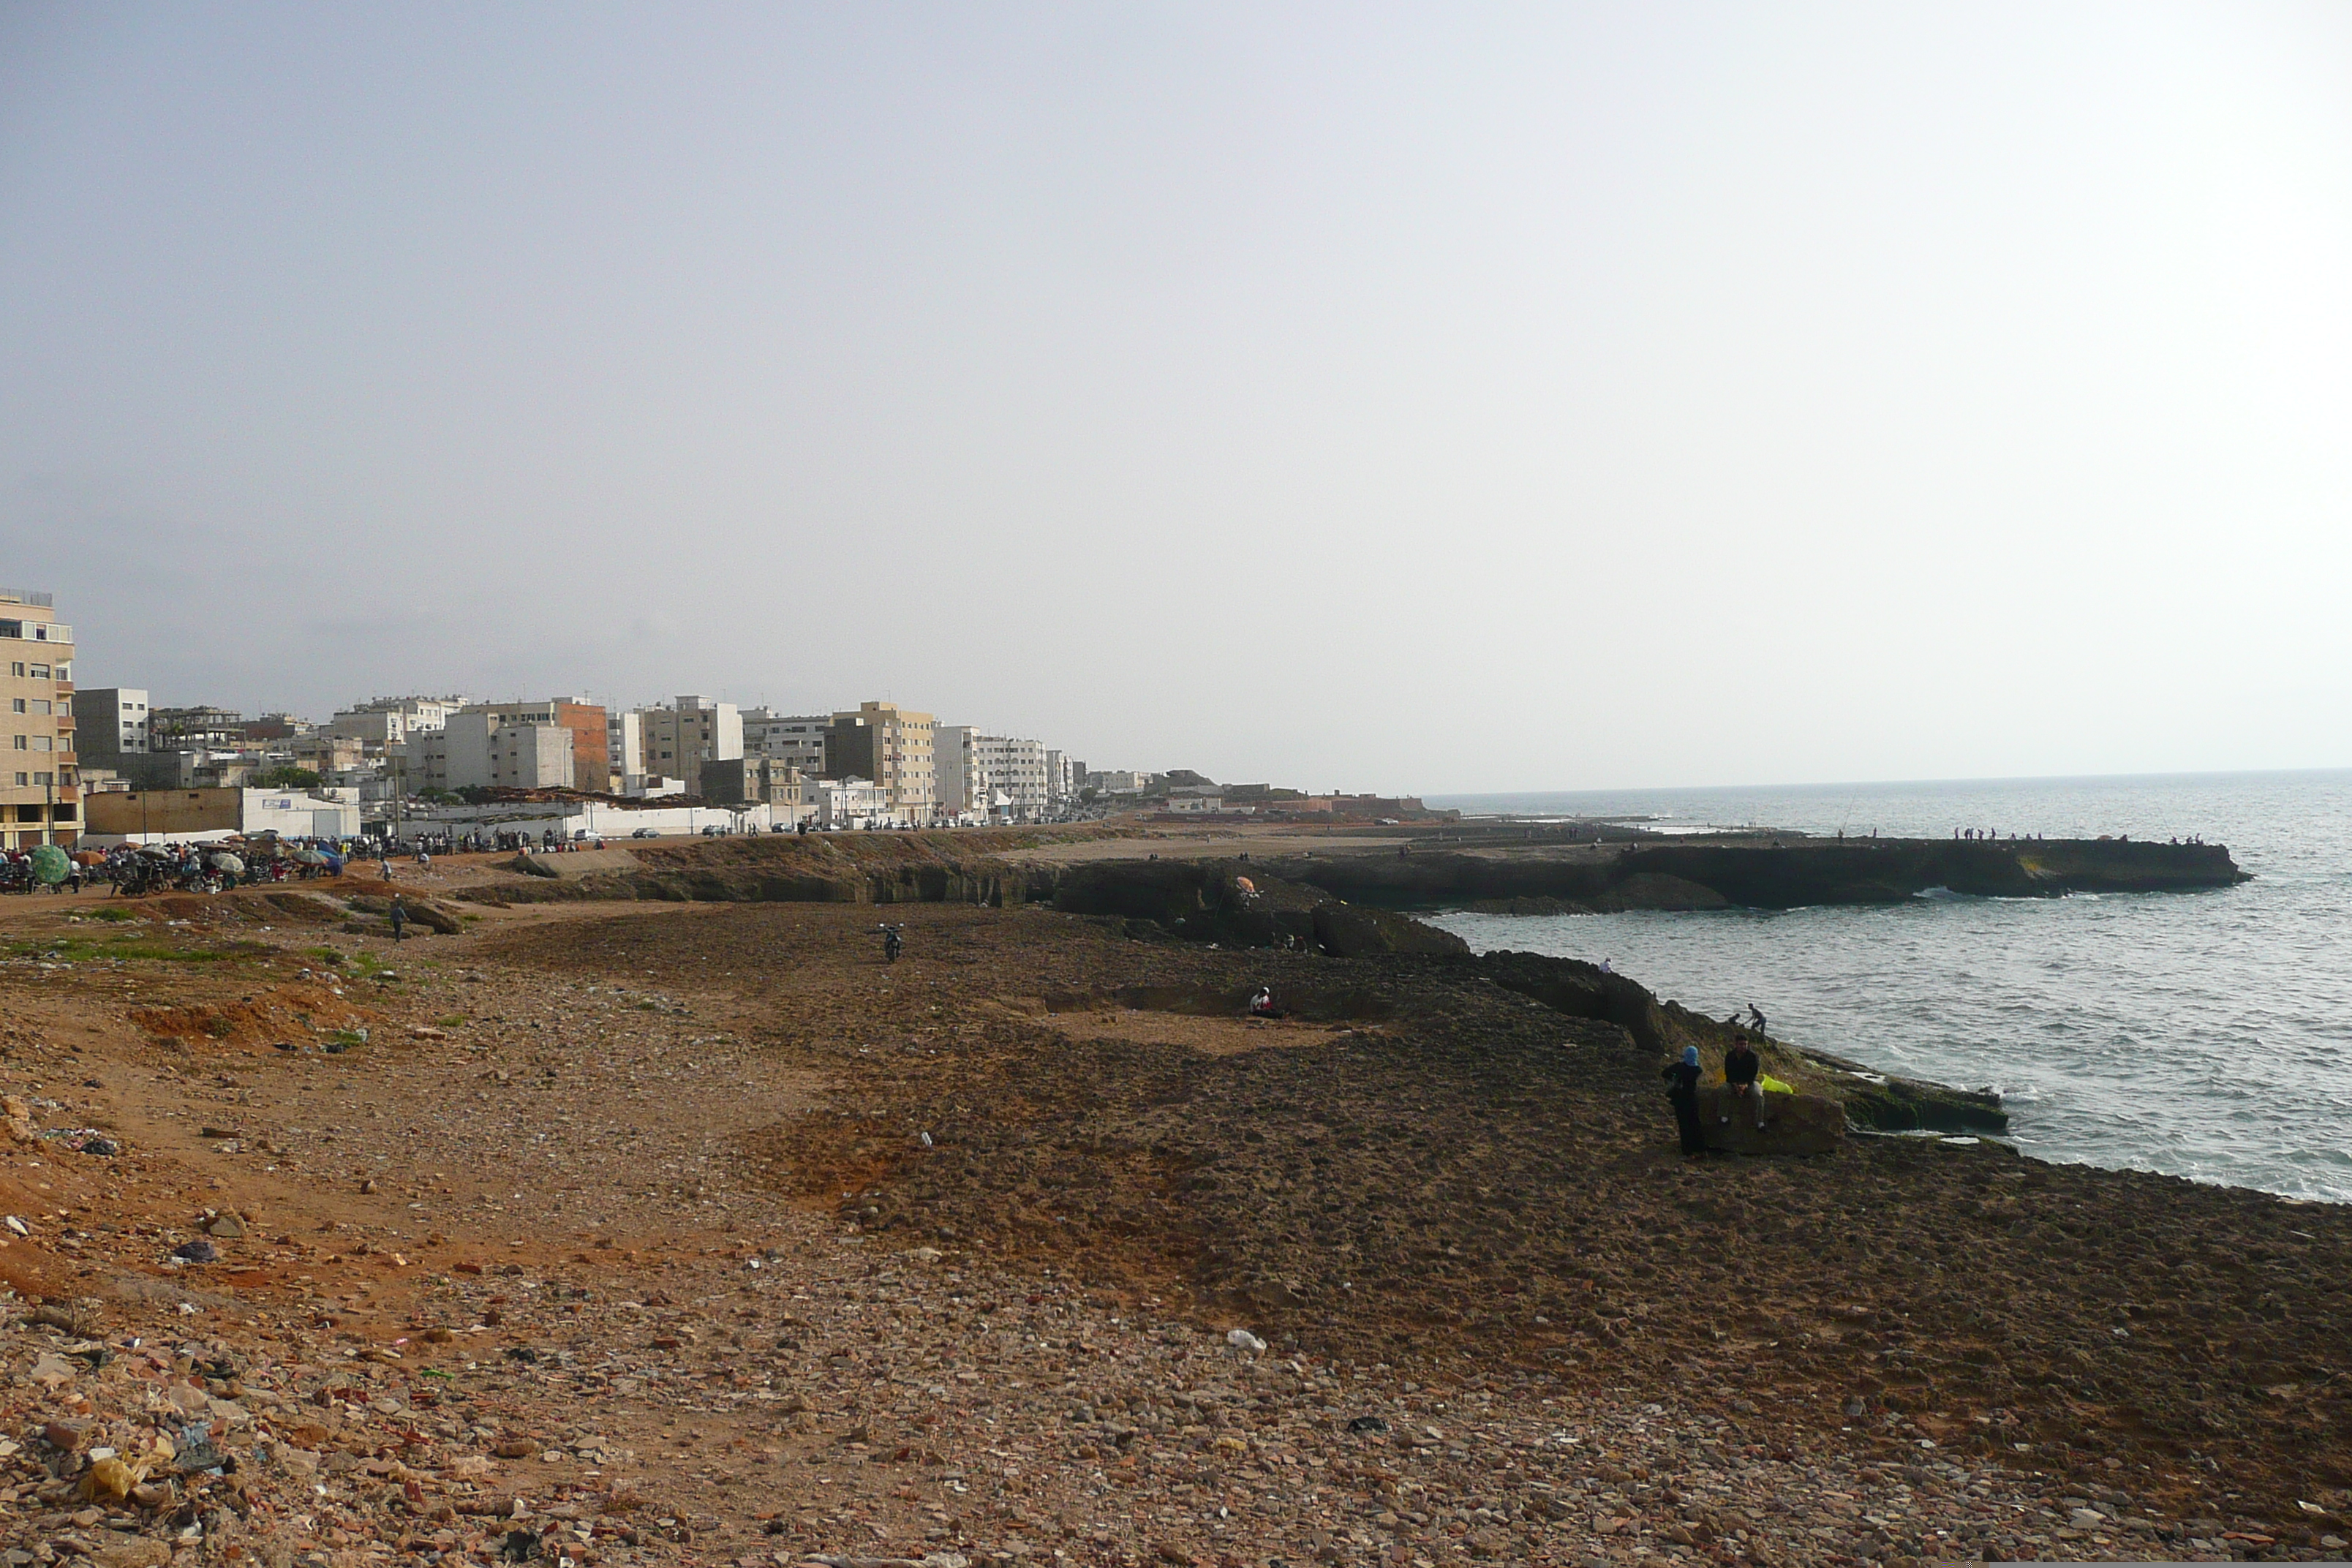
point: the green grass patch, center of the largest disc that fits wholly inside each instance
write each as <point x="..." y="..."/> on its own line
<point x="112" y="915"/>
<point x="128" y="948"/>
<point x="451" y="1021"/>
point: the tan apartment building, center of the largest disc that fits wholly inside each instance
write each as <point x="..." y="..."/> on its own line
<point x="678" y="740"/>
<point x="40" y="790"/>
<point x="893" y="746"/>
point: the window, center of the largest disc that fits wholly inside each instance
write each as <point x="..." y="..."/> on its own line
<point x="20" y="742"/>
<point x="40" y="707"/>
<point x="17" y="705"/>
<point x="23" y="779"/>
<point x="41" y="672"/>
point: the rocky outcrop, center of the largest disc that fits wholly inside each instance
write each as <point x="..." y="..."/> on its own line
<point x="1796" y="1124"/>
<point x="1352" y="931"/>
<point x="1882" y="1102"/>
<point x="1758" y="873"/>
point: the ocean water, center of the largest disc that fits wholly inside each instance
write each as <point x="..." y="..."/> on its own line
<point x="2203" y="1035"/>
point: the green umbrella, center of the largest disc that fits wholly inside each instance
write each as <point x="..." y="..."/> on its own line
<point x="50" y="864"/>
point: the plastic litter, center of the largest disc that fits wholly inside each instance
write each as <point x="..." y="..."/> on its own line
<point x="82" y="1140"/>
<point x="197" y="1252"/>
<point x="1243" y="1341"/>
<point x="110" y="1479"/>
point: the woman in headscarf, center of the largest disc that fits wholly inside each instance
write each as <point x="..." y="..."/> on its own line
<point x="1682" y="1090"/>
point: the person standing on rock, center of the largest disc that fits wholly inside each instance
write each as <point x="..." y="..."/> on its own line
<point x="1741" y="1068"/>
<point x="1682" y="1093"/>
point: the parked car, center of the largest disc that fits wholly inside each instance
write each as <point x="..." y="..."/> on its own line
<point x="644" y="833"/>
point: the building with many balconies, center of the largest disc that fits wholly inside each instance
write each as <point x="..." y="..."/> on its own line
<point x="40" y="789"/>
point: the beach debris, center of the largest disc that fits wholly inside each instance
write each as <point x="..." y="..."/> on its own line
<point x="82" y="1140"/>
<point x="197" y="1252"/>
<point x="1245" y="1342"/>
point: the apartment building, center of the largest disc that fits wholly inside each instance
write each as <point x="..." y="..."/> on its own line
<point x="754" y="781"/>
<point x="584" y="722"/>
<point x="624" y="750"/>
<point x="200" y="729"/>
<point x="693" y="731"/>
<point x="110" y="724"/>
<point x="475" y="751"/>
<point x="795" y="740"/>
<point x="892" y="747"/>
<point x="388" y="720"/>
<point x="995" y="777"/>
<point x="1066" y="775"/>
<point x="40" y="790"/>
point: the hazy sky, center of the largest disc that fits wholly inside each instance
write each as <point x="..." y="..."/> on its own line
<point x="1441" y="398"/>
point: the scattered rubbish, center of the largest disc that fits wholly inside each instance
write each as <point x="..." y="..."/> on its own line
<point x="197" y="1451"/>
<point x="108" y="1480"/>
<point x="1960" y="1142"/>
<point x="1368" y="1424"/>
<point x="197" y="1252"/>
<point x="82" y="1140"/>
<point x="13" y="1223"/>
<point x="925" y="1138"/>
<point x="1246" y="1342"/>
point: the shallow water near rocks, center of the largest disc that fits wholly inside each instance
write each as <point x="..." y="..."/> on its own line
<point x="2200" y="1035"/>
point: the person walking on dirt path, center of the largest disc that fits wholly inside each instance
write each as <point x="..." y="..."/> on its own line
<point x="385" y="862"/>
<point x="1682" y="1093"/>
<point x="1741" y="1068"/>
<point x="399" y="917"/>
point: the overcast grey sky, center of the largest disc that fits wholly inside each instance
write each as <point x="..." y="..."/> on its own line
<point x="1441" y="398"/>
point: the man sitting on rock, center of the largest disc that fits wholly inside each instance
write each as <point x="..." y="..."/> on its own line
<point x="1262" y="1004"/>
<point x="1741" y="1068"/>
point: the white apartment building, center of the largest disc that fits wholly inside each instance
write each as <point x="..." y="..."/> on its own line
<point x="1014" y="769"/>
<point x="995" y="777"/>
<point x="109" y="724"/>
<point x="625" y="750"/>
<point x="795" y="740"/>
<point x="848" y="802"/>
<point x="475" y="751"/>
<point x="1066" y="775"/>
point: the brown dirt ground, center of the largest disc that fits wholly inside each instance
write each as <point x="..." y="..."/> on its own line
<point x="1413" y="1171"/>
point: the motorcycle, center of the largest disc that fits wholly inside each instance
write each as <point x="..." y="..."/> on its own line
<point x="893" y="943"/>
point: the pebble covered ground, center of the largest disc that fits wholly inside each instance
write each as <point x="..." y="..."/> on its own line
<point x="611" y="1234"/>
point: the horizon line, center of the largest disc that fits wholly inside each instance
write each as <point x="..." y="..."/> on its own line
<point x="1887" y="783"/>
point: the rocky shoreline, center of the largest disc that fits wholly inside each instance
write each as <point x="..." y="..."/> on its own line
<point x="652" y="1232"/>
